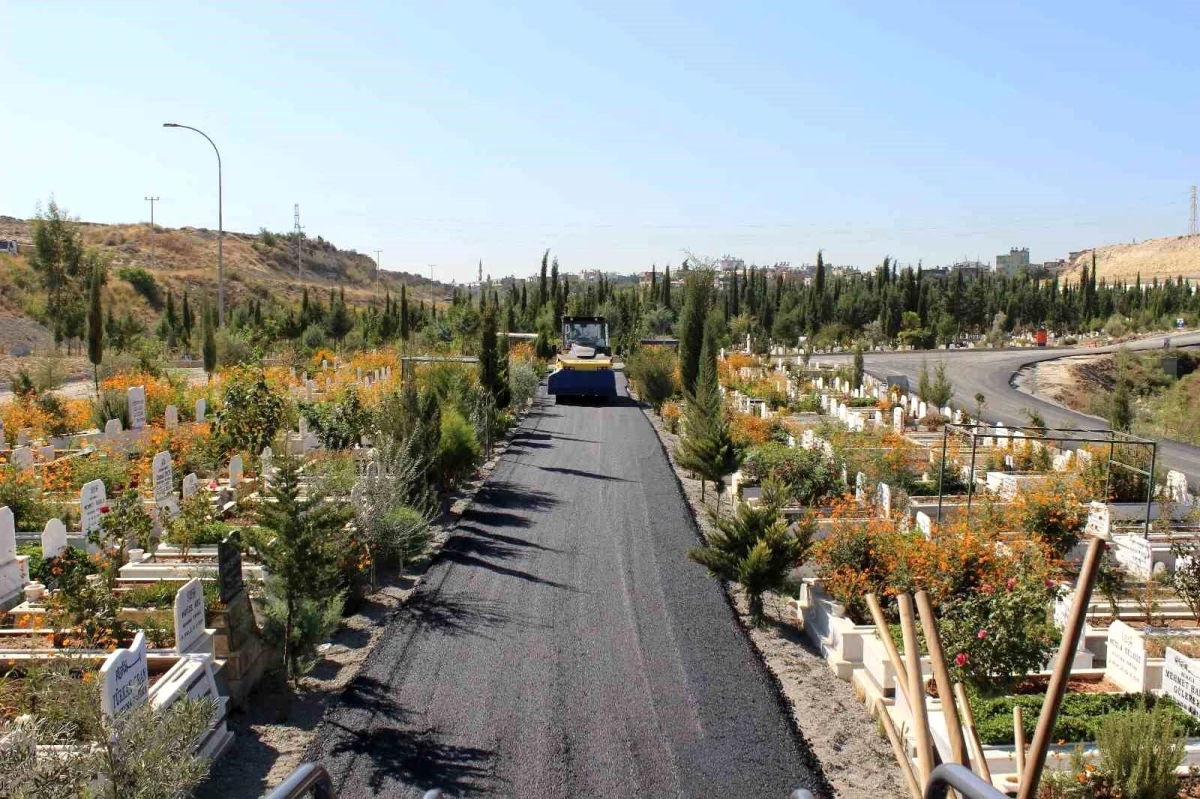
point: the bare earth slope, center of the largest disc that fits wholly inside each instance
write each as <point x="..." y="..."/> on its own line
<point x="255" y="265"/>
<point x="1162" y="258"/>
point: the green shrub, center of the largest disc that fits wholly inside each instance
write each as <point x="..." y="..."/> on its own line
<point x="806" y="474"/>
<point x="24" y="498"/>
<point x="999" y="634"/>
<point x="1079" y="719"/>
<point x="113" y="403"/>
<point x="340" y="423"/>
<point x="458" y="448"/>
<point x="523" y="380"/>
<point x="1139" y="752"/>
<point x="313" y="621"/>
<point x="143" y="283"/>
<point x="654" y="371"/>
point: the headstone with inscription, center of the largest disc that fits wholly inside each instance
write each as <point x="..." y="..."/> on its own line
<point x="125" y="678"/>
<point x="1181" y="680"/>
<point x="190" y="483"/>
<point x="189" y="616"/>
<point x="201" y="409"/>
<point x="1126" y="664"/>
<point x="235" y="471"/>
<point x="91" y="498"/>
<point x="163" y="474"/>
<point x="137" y="407"/>
<point x="171" y="417"/>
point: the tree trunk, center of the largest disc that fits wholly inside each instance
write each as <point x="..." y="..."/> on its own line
<point x="287" y="640"/>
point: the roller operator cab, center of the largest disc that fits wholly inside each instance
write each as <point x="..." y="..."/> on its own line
<point x="584" y="365"/>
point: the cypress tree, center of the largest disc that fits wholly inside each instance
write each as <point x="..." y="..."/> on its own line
<point x="666" y="289"/>
<point x="706" y="447"/>
<point x="187" y="320"/>
<point x="210" y="345"/>
<point x="542" y="287"/>
<point x="691" y="326"/>
<point x="403" y="312"/>
<point x="95" y="328"/>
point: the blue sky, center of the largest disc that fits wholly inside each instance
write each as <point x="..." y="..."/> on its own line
<point x="617" y="134"/>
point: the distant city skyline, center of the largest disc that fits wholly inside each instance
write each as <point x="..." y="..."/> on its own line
<point x="619" y="135"/>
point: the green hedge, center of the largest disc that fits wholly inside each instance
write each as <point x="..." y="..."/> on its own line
<point x="1078" y="721"/>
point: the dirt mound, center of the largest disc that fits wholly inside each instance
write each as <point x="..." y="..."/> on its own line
<point x="1154" y="258"/>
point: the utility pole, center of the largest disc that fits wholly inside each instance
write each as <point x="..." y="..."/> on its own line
<point x="1194" y="222"/>
<point x="378" y="263"/>
<point x="153" y="200"/>
<point x="431" y="305"/>
<point x="299" y="234"/>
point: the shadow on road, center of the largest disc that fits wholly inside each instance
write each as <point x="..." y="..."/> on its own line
<point x="582" y="473"/>
<point x="508" y="495"/>
<point x="402" y="754"/>
<point x="504" y="539"/>
<point x="456" y="614"/>
<point x="473" y="551"/>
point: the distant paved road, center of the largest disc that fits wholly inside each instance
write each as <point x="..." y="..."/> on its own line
<point x="991" y="371"/>
<point x="563" y="646"/>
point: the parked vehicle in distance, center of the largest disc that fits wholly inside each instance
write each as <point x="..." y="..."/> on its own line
<point x="9" y="246"/>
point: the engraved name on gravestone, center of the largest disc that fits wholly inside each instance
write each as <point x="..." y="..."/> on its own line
<point x="189" y="616"/>
<point x="125" y="677"/>
<point x="137" y="407"/>
<point x="91" y="497"/>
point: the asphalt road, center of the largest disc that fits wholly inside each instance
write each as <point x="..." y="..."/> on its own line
<point x="563" y="645"/>
<point x="991" y="372"/>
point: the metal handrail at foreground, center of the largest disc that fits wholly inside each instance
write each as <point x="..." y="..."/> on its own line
<point x="962" y="780"/>
<point x="311" y="779"/>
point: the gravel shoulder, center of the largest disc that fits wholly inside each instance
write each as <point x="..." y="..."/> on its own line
<point x="853" y="755"/>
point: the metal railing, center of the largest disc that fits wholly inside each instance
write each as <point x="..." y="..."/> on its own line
<point x="309" y="779"/>
<point x="962" y="780"/>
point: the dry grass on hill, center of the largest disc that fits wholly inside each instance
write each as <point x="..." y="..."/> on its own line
<point x="1162" y="258"/>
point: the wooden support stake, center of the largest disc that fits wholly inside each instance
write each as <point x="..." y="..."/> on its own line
<point x="1019" y="739"/>
<point x="916" y="690"/>
<point x="941" y="676"/>
<point x="1062" y="671"/>
<point x="910" y="779"/>
<point x="885" y="635"/>
<point x="968" y="716"/>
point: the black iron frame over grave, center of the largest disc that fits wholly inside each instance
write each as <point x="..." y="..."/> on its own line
<point x="1069" y="435"/>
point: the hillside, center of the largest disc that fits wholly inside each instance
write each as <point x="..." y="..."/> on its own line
<point x="256" y="265"/>
<point x="1162" y="258"/>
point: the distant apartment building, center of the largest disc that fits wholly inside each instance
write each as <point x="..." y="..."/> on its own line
<point x="1055" y="267"/>
<point x="1015" y="261"/>
<point x="972" y="268"/>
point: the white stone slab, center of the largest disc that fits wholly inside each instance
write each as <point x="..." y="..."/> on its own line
<point x="91" y="497"/>
<point x="137" y="407"/>
<point x="54" y="538"/>
<point x="189" y="616"/>
<point x="125" y="678"/>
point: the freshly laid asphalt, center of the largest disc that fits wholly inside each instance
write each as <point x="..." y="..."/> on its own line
<point x="563" y="644"/>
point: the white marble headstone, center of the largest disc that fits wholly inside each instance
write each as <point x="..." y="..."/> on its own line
<point x="190" y="483"/>
<point x="8" y="535"/>
<point x="91" y="497"/>
<point x="171" y="417"/>
<point x="125" y="678"/>
<point x="112" y="428"/>
<point x="54" y="538"/>
<point x="235" y="471"/>
<point x="189" y="616"/>
<point x="137" y="407"/>
<point x="201" y="409"/>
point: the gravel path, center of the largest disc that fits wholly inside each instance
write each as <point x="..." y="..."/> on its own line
<point x="563" y="645"/>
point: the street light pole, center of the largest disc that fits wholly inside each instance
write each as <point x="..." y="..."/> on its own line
<point x="220" y="225"/>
